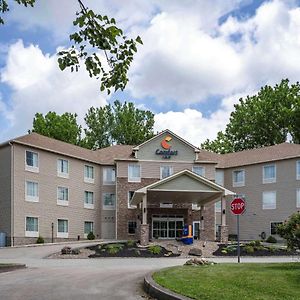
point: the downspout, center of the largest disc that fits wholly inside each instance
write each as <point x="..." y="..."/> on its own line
<point x="116" y="204"/>
<point x="12" y="200"/>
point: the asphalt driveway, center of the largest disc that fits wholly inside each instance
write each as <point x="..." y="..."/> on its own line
<point x="83" y="279"/>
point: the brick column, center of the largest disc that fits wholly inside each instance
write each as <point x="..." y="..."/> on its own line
<point x="144" y="234"/>
<point x="224" y="234"/>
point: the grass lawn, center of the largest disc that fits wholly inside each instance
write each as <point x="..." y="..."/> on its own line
<point x="233" y="281"/>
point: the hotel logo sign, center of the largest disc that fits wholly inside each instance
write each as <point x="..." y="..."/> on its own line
<point x="166" y="152"/>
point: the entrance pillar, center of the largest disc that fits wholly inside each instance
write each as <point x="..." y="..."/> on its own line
<point x="144" y="227"/>
<point x="224" y="227"/>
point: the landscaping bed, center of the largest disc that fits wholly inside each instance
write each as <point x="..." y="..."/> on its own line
<point x="233" y="281"/>
<point x="129" y="249"/>
<point x="254" y="248"/>
<point x="11" y="267"/>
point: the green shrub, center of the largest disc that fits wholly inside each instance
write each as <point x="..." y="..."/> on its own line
<point x="130" y="243"/>
<point x="231" y="248"/>
<point x="257" y="243"/>
<point x="271" y="239"/>
<point x="154" y="249"/>
<point x="91" y="236"/>
<point x="114" y="248"/>
<point x="251" y="243"/>
<point x="249" y="249"/>
<point x="40" y="240"/>
<point x="260" y="248"/>
<point x="272" y="249"/>
<point x="224" y="251"/>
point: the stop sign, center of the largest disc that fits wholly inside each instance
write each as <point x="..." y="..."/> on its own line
<point x="238" y="206"/>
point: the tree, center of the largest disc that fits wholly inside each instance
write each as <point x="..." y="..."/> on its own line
<point x="264" y="119"/>
<point x="96" y="33"/>
<point x="117" y="124"/>
<point x="61" y="127"/>
<point x="290" y="230"/>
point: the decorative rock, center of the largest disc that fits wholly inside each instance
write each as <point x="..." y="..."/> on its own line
<point x="195" y="252"/>
<point x="75" y="251"/>
<point x="66" y="250"/>
<point x="198" y="262"/>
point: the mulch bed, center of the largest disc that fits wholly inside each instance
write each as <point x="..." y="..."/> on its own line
<point x="11" y="267"/>
<point x="129" y="251"/>
<point x="265" y="252"/>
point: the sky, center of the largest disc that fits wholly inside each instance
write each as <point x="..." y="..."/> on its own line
<point x="198" y="59"/>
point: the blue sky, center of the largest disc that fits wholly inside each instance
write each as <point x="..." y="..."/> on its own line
<point x="198" y="59"/>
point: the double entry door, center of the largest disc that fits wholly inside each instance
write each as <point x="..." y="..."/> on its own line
<point x="167" y="227"/>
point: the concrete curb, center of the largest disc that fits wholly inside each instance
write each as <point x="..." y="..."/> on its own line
<point x="158" y="292"/>
<point x="13" y="267"/>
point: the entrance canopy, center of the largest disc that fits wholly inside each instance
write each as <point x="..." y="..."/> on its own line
<point x="182" y="187"/>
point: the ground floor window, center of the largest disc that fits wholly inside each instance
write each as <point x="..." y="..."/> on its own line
<point x="274" y="227"/>
<point x="32" y="227"/>
<point x="88" y="227"/>
<point x="167" y="226"/>
<point x="130" y="195"/>
<point x="131" y="227"/>
<point x="62" y="228"/>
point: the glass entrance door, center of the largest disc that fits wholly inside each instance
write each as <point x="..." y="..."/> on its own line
<point x="167" y="227"/>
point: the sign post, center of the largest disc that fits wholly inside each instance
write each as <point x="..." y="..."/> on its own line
<point x="237" y="207"/>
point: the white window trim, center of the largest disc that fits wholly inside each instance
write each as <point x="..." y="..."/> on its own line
<point x="298" y="198"/>
<point x="31" y="168"/>
<point x="297" y="174"/>
<point x="128" y="201"/>
<point x="89" y="205"/>
<point x="63" y="202"/>
<point x="268" y="180"/>
<point x="108" y="182"/>
<point x="218" y="209"/>
<point x="238" y="183"/>
<point x="171" y="173"/>
<point x="32" y="233"/>
<point x="31" y="198"/>
<point x="203" y="168"/>
<point x="86" y="234"/>
<point x="62" y="234"/>
<point x="267" y="208"/>
<point x="88" y="179"/>
<point x="108" y="207"/>
<point x="63" y="174"/>
<point x="134" y="179"/>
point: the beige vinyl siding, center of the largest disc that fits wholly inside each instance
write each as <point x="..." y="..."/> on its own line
<point x="5" y="188"/>
<point x="47" y="209"/>
<point x="256" y="220"/>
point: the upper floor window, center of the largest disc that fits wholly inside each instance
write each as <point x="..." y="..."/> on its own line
<point x="109" y="175"/>
<point x="62" y="196"/>
<point x="298" y="169"/>
<point x="134" y="173"/>
<point x="269" y="200"/>
<point x="219" y="177"/>
<point x="298" y="198"/>
<point x="62" y="228"/>
<point x="238" y="178"/>
<point x="165" y="171"/>
<point x="32" y="227"/>
<point x="109" y="201"/>
<point x="63" y="168"/>
<point x="32" y="161"/>
<point x="130" y="195"/>
<point x="32" y="191"/>
<point x="88" y="199"/>
<point x="199" y="170"/>
<point x="269" y="174"/>
<point x="89" y="174"/>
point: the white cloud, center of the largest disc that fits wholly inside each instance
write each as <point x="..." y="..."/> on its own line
<point x="39" y="86"/>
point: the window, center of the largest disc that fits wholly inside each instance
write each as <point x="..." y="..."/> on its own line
<point x="32" y="161"/>
<point x="298" y="170"/>
<point x="199" y="170"/>
<point x="134" y="173"/>
<point x="238" y="178"/>
<point x="88" y="199"/>
<point x="88" y="174"/>
<point x="274" y="227"/>
<point x="219" y="177"/>
<point x="62" y="228"/>
<point x="269" y="200"/>
<point x="32" y="191"/>
<point x="131" y="227"/>
<point x="130" y="195"/>
<point x="109" y="175"/>
<point x="218" y="206"/>
<point x="62" y="196"/>
<point x="88" y="227"/>
<point x="32" y="227"/>
<point x="165" y="171"/>
<point x="269" y="174"/>
<point x="109" y="201"/>
<point x="298" y="198"/>
<point x="63" y="168"/>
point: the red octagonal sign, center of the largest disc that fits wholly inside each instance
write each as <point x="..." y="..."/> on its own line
<point x="238" y="206"/>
